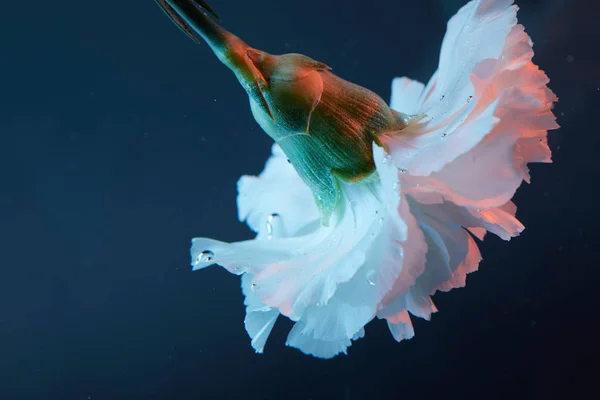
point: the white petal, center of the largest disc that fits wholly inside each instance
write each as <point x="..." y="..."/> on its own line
<point x="486" y="89"/>
<point x="315" y="347"/>
<point x="477" y="32"/>
<point x="294" y="273"/>
<point x="259" y="319"/>
<point x="405" y="95"/>
<point x="277" y="190"/>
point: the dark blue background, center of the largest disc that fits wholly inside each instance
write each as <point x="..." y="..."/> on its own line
<point x="120" y="140"/>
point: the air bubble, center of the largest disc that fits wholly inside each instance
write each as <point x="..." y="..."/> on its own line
<point x="273" y="226"/>
<point x="204" y="257"/>
<point x="371" y="278"/>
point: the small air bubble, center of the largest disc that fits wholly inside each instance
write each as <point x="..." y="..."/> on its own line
<point x="371" y="278"/>
<point x="253" y="287"/>
<point x="444" y="134"/>
<point x="395" y="185"/>
<point x="273" y="220"/>
<point x="469" y="99"/>
<point x="442" y="97"/>
<point x="402" y="170"/>
<point x="381" y="221"/>
<point x="288" y="160"/>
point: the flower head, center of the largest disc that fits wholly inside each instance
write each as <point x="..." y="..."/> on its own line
<point x="380" y="205"/>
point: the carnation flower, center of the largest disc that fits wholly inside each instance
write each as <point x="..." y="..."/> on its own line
<point x="364" y="211"/>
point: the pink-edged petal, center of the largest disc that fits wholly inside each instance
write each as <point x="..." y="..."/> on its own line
<point x="405" y="95"/>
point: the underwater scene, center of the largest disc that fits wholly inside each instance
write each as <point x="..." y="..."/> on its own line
<point x="217" y="199"/>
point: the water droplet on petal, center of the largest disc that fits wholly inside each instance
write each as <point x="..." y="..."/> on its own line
<point x="273" y="226"/>
<point x="253" y="287"/>
<point x="204" y="257"/>
<point x="371" y="278"/>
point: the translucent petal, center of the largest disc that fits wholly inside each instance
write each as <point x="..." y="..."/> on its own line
<point x="260" y="319"/>
<point x="405" y="95"/>
<point x="277" y="190"/>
